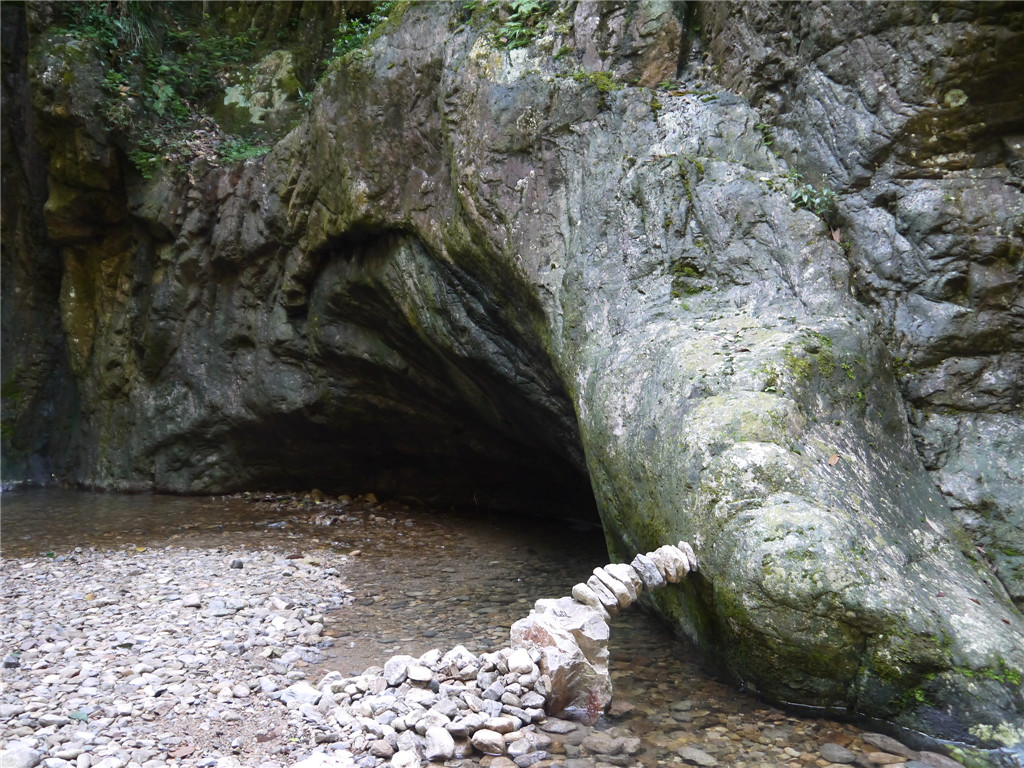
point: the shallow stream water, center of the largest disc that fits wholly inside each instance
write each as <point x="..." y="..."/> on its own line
<point x="421" y="579"/>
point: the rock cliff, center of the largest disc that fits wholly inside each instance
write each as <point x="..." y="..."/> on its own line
<point x="747" y="275"/>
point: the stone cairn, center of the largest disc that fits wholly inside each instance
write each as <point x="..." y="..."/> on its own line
<point x="440" y="706"/>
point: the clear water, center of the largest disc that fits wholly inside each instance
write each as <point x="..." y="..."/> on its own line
<point x="427" y="579"/>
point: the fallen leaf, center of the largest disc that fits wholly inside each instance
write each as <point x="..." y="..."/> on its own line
<point x="833" y="459"/>
<point x="837" y="235"/>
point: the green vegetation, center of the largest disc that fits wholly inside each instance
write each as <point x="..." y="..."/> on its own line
<point x="690" y="165"/>
<point x="605" y="82"/>
<point x="686" y="278"/>
<point x="522" y="24"/>
<point x="131" y="25"/>
<point x="160" y="71"/>
<point x="236" y="149"/>
<point x="1001" y="674"/>
<point x="353" y="32"/>
<point x="821" y="202"/>
<point x="816" y="356"/>
<point x="772" y="377"/>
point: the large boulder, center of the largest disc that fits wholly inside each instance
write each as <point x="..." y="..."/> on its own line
<point x="572" y="640"/>
<point x="512" y="276"/>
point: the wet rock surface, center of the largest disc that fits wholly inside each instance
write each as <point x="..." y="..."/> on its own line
<point x="543" y="282"/>
<point x="114" y="669"/>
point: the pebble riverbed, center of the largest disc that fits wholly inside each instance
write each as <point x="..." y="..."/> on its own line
<point x="189" y="643"/>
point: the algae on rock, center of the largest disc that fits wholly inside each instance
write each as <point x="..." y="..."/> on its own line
<point x="455" y="279"/>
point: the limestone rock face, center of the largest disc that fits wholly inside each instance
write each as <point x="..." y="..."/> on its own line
<point x="516" y="277"/>
<point x="928" y="154"/>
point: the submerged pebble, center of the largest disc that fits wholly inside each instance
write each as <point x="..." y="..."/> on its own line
<point x="144" y="657"/>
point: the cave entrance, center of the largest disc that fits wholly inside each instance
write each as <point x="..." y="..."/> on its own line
<point x="424" y="379"/>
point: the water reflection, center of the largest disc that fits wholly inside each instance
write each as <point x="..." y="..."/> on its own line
<point x="421" y="579"/>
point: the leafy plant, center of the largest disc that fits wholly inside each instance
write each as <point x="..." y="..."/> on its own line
<point x="129" y="24"/>
<point x="686" y="278"/>
<point x="522" y="24"/>
<point x="159" y="71"/>
<point x="354" y="31"/>
<point x="822" y="202"/>
<point x="239" y="149"/>
<point x="767" y="134"/>
<point x="145" y="161"/>
<point x="165" y="100"/>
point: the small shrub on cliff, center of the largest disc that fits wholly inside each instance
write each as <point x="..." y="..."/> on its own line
<point x="236" y="149"/>
<point x="128" y="25"/>
<point x="523" y="23"/>
<point x="356" y="30"/>
<point x="821" y="202"/>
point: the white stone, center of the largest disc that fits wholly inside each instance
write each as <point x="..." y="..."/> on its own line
<point x="669" y="560"/>
<point x="622" y="578"/>
<point x="431" y="658"/>
<point x="488" y="742"/>
<point x="440" y="745"/>
<point x="680" y="559"/>
<point x="431" y="719"/>
<point x="405" y="758"/>
<point x="502" y="724"/>
<point x="396" y="669"/>
<point x="301" y="693"/>
<point x="691" y="556"/>
<point x="520" y="662"/>
<point x="605" y="595"/>
<point x="581" y="593"/>
<point x="20" y="756"/>
<point x="418" y="673"/>
<point x="573" y="643"/>
<point x="666" y="564"/>
<point x="615" y="586"/>
<point x="458" y="656"/>
<point x="626" y="574"/>
<point x="322" y="760"/>
<point x="648" y="571"/>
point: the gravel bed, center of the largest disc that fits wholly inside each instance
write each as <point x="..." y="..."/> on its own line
<point x="202" y="654"/>
<point x="164" y="656"/>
